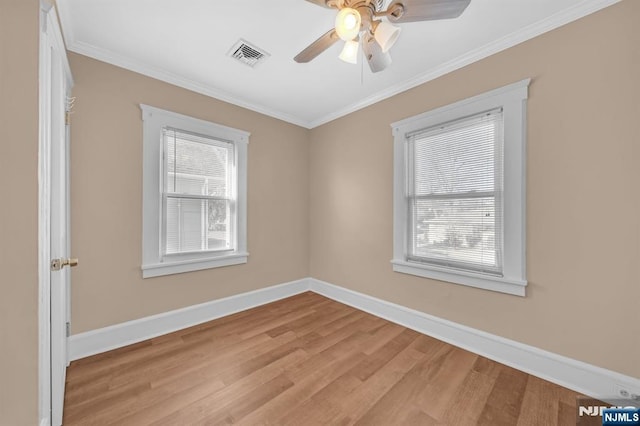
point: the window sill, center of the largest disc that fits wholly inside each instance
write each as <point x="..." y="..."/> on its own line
<point x="486" y="282"/>
<point x="180" y="266"/>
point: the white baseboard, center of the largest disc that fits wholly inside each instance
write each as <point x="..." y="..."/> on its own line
<point x="119" y="335"/>
<point x="581" y="377"/>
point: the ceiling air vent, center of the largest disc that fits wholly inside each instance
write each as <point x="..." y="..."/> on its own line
<point x="247" y="53"/>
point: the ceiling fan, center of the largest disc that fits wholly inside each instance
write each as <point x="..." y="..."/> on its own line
<point x="359" y="22"/>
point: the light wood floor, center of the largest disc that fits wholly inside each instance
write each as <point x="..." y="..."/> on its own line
<point x="306" y="360"/>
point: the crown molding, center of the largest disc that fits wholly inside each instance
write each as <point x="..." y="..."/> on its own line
<point x="559" y="19"/>
<point x="65" y="21"/>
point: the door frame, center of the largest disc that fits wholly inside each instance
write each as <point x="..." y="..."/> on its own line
<point x="49" y="35"/>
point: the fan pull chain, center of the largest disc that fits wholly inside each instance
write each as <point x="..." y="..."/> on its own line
<point x="361" y="64"/>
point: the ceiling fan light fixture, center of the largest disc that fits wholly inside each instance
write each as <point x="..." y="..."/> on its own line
<point x="356" y="20"/>
<point x="386" y="35"/>
<point x="348" y="23"/>
<point x="349" y="52"/>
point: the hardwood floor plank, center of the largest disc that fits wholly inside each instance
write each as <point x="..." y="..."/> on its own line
<point x="365" y="396"/>
<point x="361" y="326"/>
<point x="312" y="323"/>
<point x="505" y="401"/>
<point x="212" y="414"/>
<point x="338" y="323"/>
<point x="225" y="357"/>
<point x="540" y="404"/>
<point x="285" y="320"/>
<point x="199" y="402"/>
<point x="566" y="414"/>
<point x="397" y="401"/>
<point x="466" y="406"/>
<point x="218" y="405"/>
<point x="442" y="385"/>
<point x="87" y="412"/>
<point x="304" y="388"/>
<point x="381" y="336"/>
<point x="416" y="417"/>
<point x="243" y="369"/>
<point x="92" y="368"/>
<point x="305" y="360"/>
<point x="374" y="361"/>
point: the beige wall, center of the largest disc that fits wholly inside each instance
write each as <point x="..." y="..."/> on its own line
<point x="19" y="212"/>
<point x="583" y="202"/>
<point x="106" y="206"/>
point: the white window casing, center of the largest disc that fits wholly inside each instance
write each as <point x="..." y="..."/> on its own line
<point x="508" y="107"/>
<point x="171" y="192"/>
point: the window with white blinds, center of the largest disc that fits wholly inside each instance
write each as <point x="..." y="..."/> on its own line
<point x="459" y="192"/>
<point x="454" y="181"/>
<point x="198" y="198"/>
<point x="194" y="194"/>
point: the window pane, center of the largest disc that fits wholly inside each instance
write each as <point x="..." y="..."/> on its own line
<point x="458" y="157"/>
<point x="197" y="165"/>
<point x="455" y="194"/>
<point x="218" y="227"/>
<point x="456" y="232"/>
<point x="197" y="225"/>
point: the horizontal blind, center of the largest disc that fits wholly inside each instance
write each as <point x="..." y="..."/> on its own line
<point x="455" y="192"/>
<point x="198" y="193"/>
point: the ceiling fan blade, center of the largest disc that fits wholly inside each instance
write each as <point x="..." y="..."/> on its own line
<point x="378" y="60"/>
<point x="317" y="47"/>
<point x="322" y="3"/>
<point x="427" y="10"/>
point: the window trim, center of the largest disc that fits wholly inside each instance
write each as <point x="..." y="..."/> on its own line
<point x="512" y="98"/>
<point x="153" y="262"/>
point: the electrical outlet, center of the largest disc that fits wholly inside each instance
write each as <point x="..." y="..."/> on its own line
<point x="626" y="392"/>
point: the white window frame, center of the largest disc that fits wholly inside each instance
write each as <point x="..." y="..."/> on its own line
<point x="153" y="262"/>
<point x="512" y="99"/>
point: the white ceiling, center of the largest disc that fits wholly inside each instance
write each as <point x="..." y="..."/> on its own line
<point x="185" y="42"/>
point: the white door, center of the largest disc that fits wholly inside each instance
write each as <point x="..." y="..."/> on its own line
<point x="55" y="85"/>
<point x="60" y="273"/>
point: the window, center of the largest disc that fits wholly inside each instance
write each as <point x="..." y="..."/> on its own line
<point x="459" y="192"/>
<point x="197" y="193"/>
<point x="194" y="184"/>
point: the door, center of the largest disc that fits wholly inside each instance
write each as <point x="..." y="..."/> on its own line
<point x="55" y="85"/>
<point x="60" y="274"/>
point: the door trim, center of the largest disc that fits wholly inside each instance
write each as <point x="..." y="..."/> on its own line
<point x="50" y="35"/>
